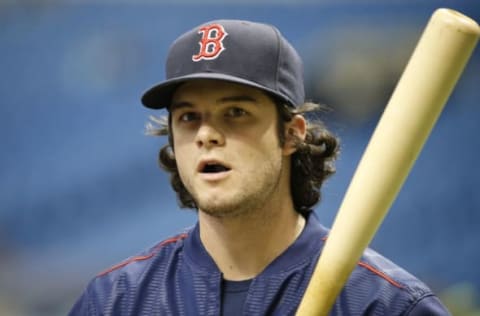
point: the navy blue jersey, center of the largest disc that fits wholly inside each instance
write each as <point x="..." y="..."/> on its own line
<point x="178" y="277"/>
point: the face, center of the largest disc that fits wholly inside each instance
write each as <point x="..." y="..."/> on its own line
<point x="226" y="147"/>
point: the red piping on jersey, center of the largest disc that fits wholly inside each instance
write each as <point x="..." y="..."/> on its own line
<point x="145" y="257"/>
<point x="182" y="236"/>
<point x="379" y="273"/>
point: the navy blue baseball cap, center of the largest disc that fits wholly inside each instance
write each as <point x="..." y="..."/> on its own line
<point x="250" y="53"/>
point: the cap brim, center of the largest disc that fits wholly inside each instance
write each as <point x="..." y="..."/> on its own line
<point x="159" y="96"/>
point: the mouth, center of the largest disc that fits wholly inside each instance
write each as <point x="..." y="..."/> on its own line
<point x="212" y="167"/>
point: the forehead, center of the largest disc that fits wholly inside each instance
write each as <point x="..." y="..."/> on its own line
<point x="196" y="90"/>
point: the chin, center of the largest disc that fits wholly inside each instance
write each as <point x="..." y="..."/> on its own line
<point x="220" y="209"/>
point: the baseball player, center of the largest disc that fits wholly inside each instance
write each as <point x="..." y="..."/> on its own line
<point x="242" y="154"/>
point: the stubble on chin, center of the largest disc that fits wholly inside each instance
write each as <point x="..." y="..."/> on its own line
<point x="228" y="209"/>
<point x="248" y="202"/>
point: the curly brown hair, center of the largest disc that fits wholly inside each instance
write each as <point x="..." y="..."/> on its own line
<point x="312" y="163"/>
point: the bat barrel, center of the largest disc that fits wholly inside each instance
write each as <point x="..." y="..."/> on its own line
<point x="415" y="105"/>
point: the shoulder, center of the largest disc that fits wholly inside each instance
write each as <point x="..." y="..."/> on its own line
<point x="378" y="286"/>
<point x="137" y="263"/>
<point x="133" y="273"/>
<point x="384" y="272"/>
<point x="389" y="289"/>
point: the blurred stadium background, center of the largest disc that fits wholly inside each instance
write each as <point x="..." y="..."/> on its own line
<point x="80" y="189"/>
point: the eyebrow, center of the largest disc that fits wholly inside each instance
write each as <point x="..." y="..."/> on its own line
<point x="233" y="98"/>
<point x="180" y="105"/>
<point x="238" y="98"/>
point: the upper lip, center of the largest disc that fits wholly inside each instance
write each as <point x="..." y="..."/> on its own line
<point x="204" y="162"/>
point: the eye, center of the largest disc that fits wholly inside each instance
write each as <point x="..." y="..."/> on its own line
<point x="236" y="112"/>
<point x="188" y="117"/>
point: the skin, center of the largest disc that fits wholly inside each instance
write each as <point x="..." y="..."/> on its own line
<point x="246" y="213"/>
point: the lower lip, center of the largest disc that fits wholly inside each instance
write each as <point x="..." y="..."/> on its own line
<point x="217" y="176"/>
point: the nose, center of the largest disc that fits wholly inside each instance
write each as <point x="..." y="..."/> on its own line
<point x="209" y="136"/>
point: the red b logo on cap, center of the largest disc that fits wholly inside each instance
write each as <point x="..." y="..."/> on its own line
<point x="211" y="44"/>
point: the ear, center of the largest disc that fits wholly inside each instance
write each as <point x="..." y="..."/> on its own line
<point x="295" y="132"/>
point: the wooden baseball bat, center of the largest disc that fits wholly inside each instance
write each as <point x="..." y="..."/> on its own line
<point x="420" y="95"/>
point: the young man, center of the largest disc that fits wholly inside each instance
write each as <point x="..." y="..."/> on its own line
<point x="242" y="154"/>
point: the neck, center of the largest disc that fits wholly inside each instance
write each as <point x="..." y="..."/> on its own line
<point x="243" y="246"/>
